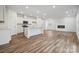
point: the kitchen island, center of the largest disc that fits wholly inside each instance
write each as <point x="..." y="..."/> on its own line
<point x="32" y="30"/>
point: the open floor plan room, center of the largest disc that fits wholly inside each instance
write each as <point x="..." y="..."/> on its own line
<point x="39" y="28"/>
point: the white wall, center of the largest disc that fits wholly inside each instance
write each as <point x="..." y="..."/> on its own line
<point x="19" y="24"/>
<point x="11" y="21"/>
<point x="77" y="24"/>
<point x="69" y="22"/>
<point x="19" y="19"/>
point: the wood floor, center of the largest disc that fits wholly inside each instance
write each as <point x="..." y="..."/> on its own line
<point x="49" y="42"/>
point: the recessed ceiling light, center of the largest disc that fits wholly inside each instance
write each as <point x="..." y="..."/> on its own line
<point x="26" y="7"/>
<point x="53" y="6"/>
<point x="67" y="12"/>
<point x="37" y="11"/>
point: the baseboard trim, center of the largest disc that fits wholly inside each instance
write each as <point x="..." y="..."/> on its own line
<point x="17" y="34"/>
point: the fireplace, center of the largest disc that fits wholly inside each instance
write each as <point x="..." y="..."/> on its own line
<point x="61" y="26"/>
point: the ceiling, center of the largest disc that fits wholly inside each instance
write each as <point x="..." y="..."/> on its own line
<point x="46" y="11"/>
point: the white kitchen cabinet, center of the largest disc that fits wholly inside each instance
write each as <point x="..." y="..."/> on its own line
<point x="1" y="12"/>
<point x="26" y="31"/>
<point x="5" y="36"/>
<point x="19" y="28"/>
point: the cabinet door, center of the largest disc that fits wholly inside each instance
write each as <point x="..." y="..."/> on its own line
<point x="5" y="36"/>
<point x="1" y="12"/>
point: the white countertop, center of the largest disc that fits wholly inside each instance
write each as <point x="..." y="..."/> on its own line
<point x="4" y="27"/>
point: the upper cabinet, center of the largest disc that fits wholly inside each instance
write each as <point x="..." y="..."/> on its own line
<point x="1" y="13"/>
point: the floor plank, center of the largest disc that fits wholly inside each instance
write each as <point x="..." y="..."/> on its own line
<point x="49" y="42"/>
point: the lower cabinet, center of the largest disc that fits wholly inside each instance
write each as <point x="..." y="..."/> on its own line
<point x="5" y="36"/>
<point x="32" y="31"/>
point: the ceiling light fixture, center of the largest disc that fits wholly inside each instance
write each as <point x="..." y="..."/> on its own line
<point x="67" y="12"/>
<point x="53" y="6"/>
<point x="26" y="7"/>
